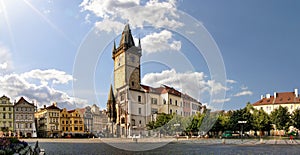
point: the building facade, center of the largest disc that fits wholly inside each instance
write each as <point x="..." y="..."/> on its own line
<point x="99" y="119"/>
<point x="137" y="104"/>
<point x="24" y="118"/>
<point x="48" y="119"/>
<point x="76" y="121"/>
<point x="88" y="119"/>
<point x="6" y="116"/>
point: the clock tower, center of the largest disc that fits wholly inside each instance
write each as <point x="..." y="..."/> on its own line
<point x="127" y="62"/>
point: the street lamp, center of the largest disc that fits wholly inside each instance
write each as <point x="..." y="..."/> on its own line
<point x="242" y="122"/>
<point x="176" y="126"/>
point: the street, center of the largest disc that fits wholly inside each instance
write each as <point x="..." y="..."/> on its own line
<point x="201" y="146"/>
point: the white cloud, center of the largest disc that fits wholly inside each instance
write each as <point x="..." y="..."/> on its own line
<point x="35" y="86"/>
<point x="230" y="81"/>
<point x="221" y="100"/>
<point x="55" y="76"/>
<point x="161" y="41"/>
<point x="153" y="13"/>
<point x="243" y="93"/>
<point x="192" y="83"/>
<point x="109" y="26"/>
<point x="5" y="59"/>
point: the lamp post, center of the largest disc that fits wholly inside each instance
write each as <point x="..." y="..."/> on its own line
<point x="242" y="122"/>
<point x="176" y="126"/>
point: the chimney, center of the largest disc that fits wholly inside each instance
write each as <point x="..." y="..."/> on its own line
<point x="275" y="94"/>
<point x="262" y="97"/>
<point x="268" y="95"/>
<point x="296" y="92"/>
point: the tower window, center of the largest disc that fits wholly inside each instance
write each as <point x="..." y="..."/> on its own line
<point x="132" y="83"/>
<point x="139" y="98"/>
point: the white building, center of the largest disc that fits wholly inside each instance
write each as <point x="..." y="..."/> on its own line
<point x="268" y="103"/>
<point x="137" y="104"/>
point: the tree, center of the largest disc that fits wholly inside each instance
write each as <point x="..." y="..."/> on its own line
<point x="296" y="118"/>
<point x="261" y="121"/>
<point x="281" y="118"/>
<point x="195" y="123"/>
<point x="161" y="124"/>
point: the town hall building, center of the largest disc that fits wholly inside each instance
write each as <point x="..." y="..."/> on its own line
<point x="137" y="104"/>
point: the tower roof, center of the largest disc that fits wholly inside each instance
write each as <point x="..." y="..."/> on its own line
<point x="127" y="38"/>
<point x="111" y="96"/>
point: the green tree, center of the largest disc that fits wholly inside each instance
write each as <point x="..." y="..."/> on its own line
<point x="281" y="118"/>
<point x="261" y="121"/>
<point x="296" y="118"/>
<point x="195" y="123"/>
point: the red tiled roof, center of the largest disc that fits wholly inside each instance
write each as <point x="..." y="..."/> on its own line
<point x="52" y="107"/>
<point x="281" y="98"/>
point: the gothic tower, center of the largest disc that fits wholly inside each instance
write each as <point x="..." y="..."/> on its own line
<point x="127" y="62"/>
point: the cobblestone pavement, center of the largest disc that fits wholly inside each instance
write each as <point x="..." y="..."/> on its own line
<point x="182" y="146"/>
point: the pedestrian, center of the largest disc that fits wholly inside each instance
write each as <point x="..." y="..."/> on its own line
<point x="291" y="138"/>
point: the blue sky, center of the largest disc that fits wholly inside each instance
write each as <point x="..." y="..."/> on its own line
<point x="43" y="43"/>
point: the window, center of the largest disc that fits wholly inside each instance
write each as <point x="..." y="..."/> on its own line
<point x="139" y="98"/>
<point x="154" y="100"/>
<point x="176" y="102"/>
<point x="154" y="110"/>
<point x="3" y="108"/>
<point x="132" y="83"/>
<point x="170" y="111"/>
<point x="170" y="101"/>
<point x="165" y="102"/>
<point x="140" y="122"/>
<point x="75" y="128"/>
<point x="63" y="128"/>
<point x="3" y="102"/>
<point x="66" y="122"/>
<point x="66" y="128"/>
<point x="140" y="110"/>
<point x="4" y="116"/>
<point x="133" y="122"/>
<point x="9" y="116"/>
<point x="176" y="111"/>
<point x="63" y="122"/>
<point x="9" y="109"/>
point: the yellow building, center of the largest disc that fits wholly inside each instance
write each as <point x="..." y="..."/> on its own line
<point x="6" y="116"/>
<point x="76" y="121"/>
<point x="71" y="122"/>
<point x="48" y="121"/>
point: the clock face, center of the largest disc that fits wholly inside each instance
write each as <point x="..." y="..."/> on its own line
<point x="132" y="58"/>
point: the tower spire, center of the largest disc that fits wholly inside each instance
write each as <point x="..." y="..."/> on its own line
<point x="140" y="43"/>
<point x="114" y="48"/>
<point x="126" y="39"/>
<point x="111" y="105"/>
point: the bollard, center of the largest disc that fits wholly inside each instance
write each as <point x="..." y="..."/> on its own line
<point x="223" y="141"/>
<point x="261" y="141"/>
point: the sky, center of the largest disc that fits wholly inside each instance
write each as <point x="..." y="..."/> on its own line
<point x="60" y="51"/>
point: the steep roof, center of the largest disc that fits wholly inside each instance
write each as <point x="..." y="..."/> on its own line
<point x="4" y="97"/>
<point x="53" y="107"/>
<point x="279" y="98"/>
<point x="22" y="100"/>
<point x="127" y="38"/>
